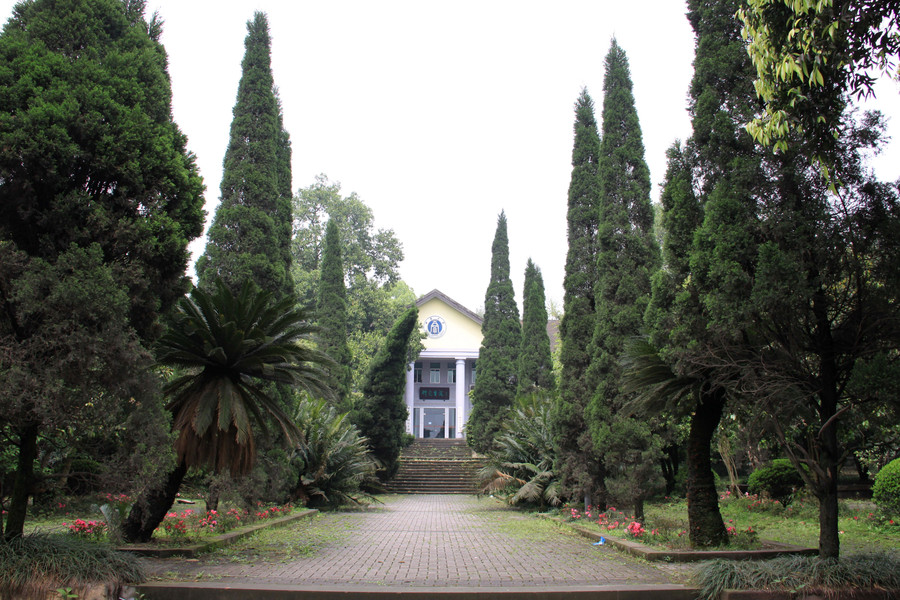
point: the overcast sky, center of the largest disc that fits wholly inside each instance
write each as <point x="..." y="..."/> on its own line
<point x="439" y="114"/>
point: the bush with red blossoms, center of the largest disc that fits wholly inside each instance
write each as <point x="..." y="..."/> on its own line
<point x="91" y="530"/>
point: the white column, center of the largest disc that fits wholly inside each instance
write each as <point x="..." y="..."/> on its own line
<point x="408" y="396"/>
<point x="461" y="388"/>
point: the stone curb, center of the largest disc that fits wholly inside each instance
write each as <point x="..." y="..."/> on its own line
<point x="226" y="539"/>
<point x="261" y="591"/>
<point x="809" y="595"/>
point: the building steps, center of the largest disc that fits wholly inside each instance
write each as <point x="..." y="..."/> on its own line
<point x="436" y="466"/>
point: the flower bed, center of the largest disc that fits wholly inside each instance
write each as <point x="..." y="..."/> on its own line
<point x="177" y="528"/>
<point x="666" y="541"/>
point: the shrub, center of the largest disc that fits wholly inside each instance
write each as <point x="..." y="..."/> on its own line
<point x="520" y="464"/>
<point x="332" y="458"/>
<point x="886" y="491"/>
<point x="851" y="573"/>
<point x="89" y="530"/>
<point x="779" y="479"/>
<point x="33" y="566"/>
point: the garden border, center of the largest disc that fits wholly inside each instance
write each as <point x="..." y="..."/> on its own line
<point x="652" y="554"/>
<point x="218" y="541"/>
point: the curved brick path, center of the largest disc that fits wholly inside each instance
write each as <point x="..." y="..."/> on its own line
<point x="430" y="541"/>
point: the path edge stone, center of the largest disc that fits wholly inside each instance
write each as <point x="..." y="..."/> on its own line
<point x="219" y="541"/>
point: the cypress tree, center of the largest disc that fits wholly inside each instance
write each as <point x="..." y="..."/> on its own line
<point x="722" y="99"/>
<point x="99" y="198"/>
<point x="331" y="315"/>
<point x="682" y="214"/>
<point x="626" y="256"/>
<point x="382" y="415"/>
<point x="495" y="386"/>
<point x="577" y="463"/>
<point x="250" y="236"/>
<point x="535" y="362"/>
<point x="708" y="246"/>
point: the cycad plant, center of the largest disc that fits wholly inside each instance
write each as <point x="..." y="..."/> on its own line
<point x="520" y="463"/>
<point x="332" y="458"/>
<point x="227" y="348"/>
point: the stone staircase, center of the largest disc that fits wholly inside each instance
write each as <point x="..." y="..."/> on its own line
<point x="436" y="466"/>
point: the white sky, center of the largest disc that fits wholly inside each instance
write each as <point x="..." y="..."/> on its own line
<point x="439" y="114"/>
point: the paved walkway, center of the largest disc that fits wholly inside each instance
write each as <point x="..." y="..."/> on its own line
<point x="423" y="541"/>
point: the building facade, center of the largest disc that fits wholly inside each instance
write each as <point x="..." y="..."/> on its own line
<point x="439" y="381"/>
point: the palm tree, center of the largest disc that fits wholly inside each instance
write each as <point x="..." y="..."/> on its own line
<point x="332" y="458"/>
<point x="520" y="463"/>
<point x="227" y="348"/>
<point x="701" y="395"/>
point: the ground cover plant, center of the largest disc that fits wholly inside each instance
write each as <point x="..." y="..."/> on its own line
<point x="864" y="571"/>
<point x="32" y="566"/>
<point x="748" y="519"/>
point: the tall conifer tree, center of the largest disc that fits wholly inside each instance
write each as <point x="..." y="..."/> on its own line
<point x="331" y="315"/>
<point x="99" y="199"/>
<point x="578" y="465"/>
<point x="708" y="242"/>
<point x="495" y="386"/>
<point x="383" y="413"/>
<point x="626" y="256"/>
<point x="535" y="361"/>
<point x="722" y="100"/>
<point x="251" y="233"/>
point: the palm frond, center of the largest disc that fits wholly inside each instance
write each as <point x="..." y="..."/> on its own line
<point x="230" y="344"/>
<point x="656" y="387"/>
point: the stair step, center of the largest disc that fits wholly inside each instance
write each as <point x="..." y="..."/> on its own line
<point x="436" y="466"/>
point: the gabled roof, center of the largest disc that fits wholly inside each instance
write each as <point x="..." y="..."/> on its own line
<point x="449" y="302"/>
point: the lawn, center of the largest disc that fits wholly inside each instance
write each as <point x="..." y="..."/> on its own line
<point x="862" y="526"/>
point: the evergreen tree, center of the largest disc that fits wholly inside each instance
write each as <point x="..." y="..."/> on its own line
<point x="99" y="199"/>
<point x="250" y="237"/>
<point x="331" y="316"/>
<point x="535" y="361"/>
<point x="225" y="346"/>
<point x="495" y="386"/>
<point x="578" y="468"/>
<point x="626" y="256"/>
<point x="728" y="165"/>
<point x="682" y="214"/>
<point x="698" y="307"/>
<point x="382" y="415"/>
<point x="826" y="264"/>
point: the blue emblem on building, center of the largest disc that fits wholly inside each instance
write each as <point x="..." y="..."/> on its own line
<point x="435" y="326"/>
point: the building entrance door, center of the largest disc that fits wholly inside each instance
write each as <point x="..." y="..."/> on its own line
<point x="434" y="423"/>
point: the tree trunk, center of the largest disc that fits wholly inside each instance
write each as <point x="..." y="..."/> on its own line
<point x="728" y="460"/>
<point x="24" y="477"/>
<point x="148" y="512"/>
<point x="669" y="465"/>
<point x="704" y="519"/>
<point x="212" y="500"/>
<point x="639" y="510"/>
<point x="829" y="545"/>
<point x="827" y="439"/>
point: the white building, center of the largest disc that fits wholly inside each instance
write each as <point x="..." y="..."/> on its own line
<point x="438" y="383"/>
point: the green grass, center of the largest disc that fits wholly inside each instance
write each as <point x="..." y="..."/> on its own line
<point x="303" y="539"/>
<point x="861" y="525"/>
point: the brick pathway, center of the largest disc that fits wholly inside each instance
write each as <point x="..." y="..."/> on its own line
<point x="432" y="541"/>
